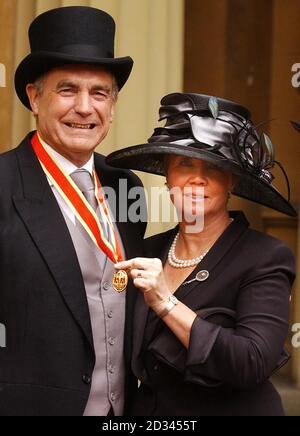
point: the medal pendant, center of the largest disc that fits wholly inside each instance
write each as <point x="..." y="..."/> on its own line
<point x="120" y="281"/>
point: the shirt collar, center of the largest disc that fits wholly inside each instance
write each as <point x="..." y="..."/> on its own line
<point x="68" y="166"/>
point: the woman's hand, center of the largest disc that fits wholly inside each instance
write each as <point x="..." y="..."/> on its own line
<point x="148" y="276"/>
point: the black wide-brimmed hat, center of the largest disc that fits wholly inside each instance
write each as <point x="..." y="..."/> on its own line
<point x="70" y="35"/>
<point x="215" y="130"/>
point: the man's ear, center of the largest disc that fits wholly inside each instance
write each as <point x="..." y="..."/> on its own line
<point x="33" y="97"/>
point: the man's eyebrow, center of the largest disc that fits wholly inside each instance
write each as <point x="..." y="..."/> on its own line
<point x="104" y="88"/>
<point x="67" y="84"/>
<point x="70" y="84"/>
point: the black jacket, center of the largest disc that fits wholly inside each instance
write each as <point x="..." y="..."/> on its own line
<point x="236" y="340"/>
<point x="49" y="359"/>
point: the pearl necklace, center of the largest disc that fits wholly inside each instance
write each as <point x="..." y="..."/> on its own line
<point x="179" y="263"/>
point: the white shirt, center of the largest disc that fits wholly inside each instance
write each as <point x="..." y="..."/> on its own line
<point x="68" y="168"/>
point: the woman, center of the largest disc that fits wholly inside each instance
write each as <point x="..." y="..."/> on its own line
<point x="212" y="315"/>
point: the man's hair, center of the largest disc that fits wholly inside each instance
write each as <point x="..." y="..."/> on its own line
<point x="39" y="85"/>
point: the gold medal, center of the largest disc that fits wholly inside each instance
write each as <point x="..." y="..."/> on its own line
<point x="120" y="281"/>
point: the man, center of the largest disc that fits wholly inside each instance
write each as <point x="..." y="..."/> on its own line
<point x="68" y="346"/>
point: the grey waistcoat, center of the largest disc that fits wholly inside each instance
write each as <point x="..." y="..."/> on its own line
<point x="107" y="312"/>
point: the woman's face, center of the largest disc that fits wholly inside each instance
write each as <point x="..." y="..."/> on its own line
<point x="197" y="187"/>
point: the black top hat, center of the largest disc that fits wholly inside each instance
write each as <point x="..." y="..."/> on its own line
<point x="70" y="35"/>
<point x="215" y="130"/>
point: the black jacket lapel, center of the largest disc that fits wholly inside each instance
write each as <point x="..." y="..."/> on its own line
<point x="44" y="221"/>
<point x="129" y="232"/>
<point x="222" y="246"/>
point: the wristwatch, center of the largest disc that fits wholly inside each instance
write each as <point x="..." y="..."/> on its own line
<point x="170" y="304"/>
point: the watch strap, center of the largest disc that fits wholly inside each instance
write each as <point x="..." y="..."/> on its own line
<point x="170" y="304"/>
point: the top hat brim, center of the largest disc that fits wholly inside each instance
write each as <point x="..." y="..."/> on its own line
<point x="150" y="158"/>
<point x="37" y="64"/>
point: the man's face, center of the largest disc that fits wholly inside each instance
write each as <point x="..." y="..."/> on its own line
<point x="74" y="109"/>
